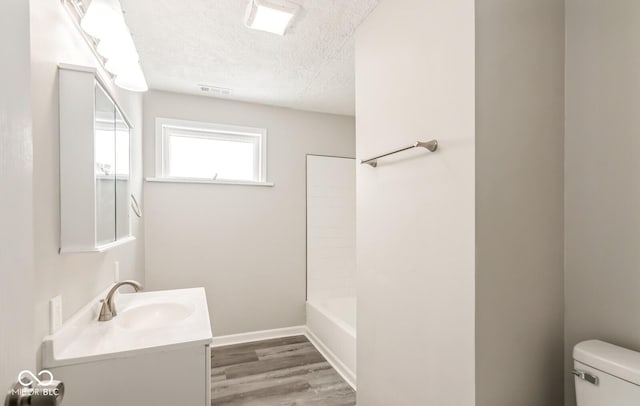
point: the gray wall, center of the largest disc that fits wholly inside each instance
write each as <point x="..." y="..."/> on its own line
<point x="415" y="211"/>
<point x="602" y="175"/>
<point x="513" y="246"/>
<point x="244" y="244"/>
<point x="16" y="195"/>
<point x="77" y="277"/>
<point x="519" y="202"/>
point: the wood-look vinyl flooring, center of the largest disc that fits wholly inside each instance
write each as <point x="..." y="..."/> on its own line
<point x="280" y="372"/>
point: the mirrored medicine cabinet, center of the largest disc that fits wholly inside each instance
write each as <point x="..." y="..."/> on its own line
<point x="94" y="164"/>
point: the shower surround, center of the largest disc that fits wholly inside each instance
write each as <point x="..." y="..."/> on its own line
<point x="331" y="292"/>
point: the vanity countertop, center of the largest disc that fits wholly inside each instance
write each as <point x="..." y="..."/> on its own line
<point x="145" y="322"/>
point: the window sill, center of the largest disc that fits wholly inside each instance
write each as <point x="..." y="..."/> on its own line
<point x="210" y="182"/>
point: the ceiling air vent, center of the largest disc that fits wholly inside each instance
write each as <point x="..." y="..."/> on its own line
<point x="215" y="90"/>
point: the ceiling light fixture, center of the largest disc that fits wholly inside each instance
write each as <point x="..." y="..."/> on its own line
<point x="132" y="78"/>
<point x="101" y="16"/>
<point x="104" y="21"/>
<point x="272" y="16"/>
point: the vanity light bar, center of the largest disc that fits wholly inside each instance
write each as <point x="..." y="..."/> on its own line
<point x="103" y="26"/>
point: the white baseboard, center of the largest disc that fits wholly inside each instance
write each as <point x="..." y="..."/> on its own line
<point x="257" y="336"/>
<point x="347" y="374"/>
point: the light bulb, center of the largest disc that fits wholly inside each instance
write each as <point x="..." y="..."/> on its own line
<point x="102" y="17"/>
<point x="118" y="45"/>
<point x="132" y="78"/>
<point x="115" y="66"/>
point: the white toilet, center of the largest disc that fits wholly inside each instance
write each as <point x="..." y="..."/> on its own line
<point x="606" y="375"/>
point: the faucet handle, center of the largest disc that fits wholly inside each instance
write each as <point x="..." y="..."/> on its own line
<point x="105" y="311"/>
<point x="108" y="310"/>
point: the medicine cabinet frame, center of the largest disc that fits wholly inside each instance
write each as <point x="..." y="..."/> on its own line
<point x="86" y="181"/>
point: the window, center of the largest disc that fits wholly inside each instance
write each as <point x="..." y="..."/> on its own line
<point x="215" y="153"/>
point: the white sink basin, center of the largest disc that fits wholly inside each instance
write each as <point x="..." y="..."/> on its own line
<point x="145" y="322"/>
<point x="153" y="315"/>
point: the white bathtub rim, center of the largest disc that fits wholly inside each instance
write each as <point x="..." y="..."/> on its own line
<point x="341" y="323"/>
<point x="347" y="374"/>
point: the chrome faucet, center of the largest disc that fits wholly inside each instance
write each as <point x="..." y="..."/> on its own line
<point x="108" y="309"/>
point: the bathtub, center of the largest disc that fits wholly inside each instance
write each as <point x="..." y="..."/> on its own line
<point x="331" y="326"/>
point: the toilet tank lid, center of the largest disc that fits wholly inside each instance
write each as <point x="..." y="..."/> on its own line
<point x="609" y="358"/>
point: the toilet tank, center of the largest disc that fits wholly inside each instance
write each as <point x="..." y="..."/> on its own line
<point x="606" y="375"/>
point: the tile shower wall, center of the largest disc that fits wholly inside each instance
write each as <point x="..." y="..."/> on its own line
<point x="331" y="227"/>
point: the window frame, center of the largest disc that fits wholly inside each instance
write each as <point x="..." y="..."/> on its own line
<point x="254" y="135"/>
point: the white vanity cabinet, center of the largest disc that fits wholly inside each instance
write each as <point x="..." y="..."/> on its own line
<point x="94" y="164"/>
<point x="154" y="352"/>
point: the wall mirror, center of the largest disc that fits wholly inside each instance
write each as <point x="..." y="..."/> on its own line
<point x="94" y="165"/>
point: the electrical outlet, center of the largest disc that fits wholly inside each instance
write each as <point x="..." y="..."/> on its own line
<point x="116" y="271"/>
<point x="56" y="313"/>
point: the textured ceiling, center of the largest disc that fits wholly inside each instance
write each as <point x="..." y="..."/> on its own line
<point x="184" y="43"/>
